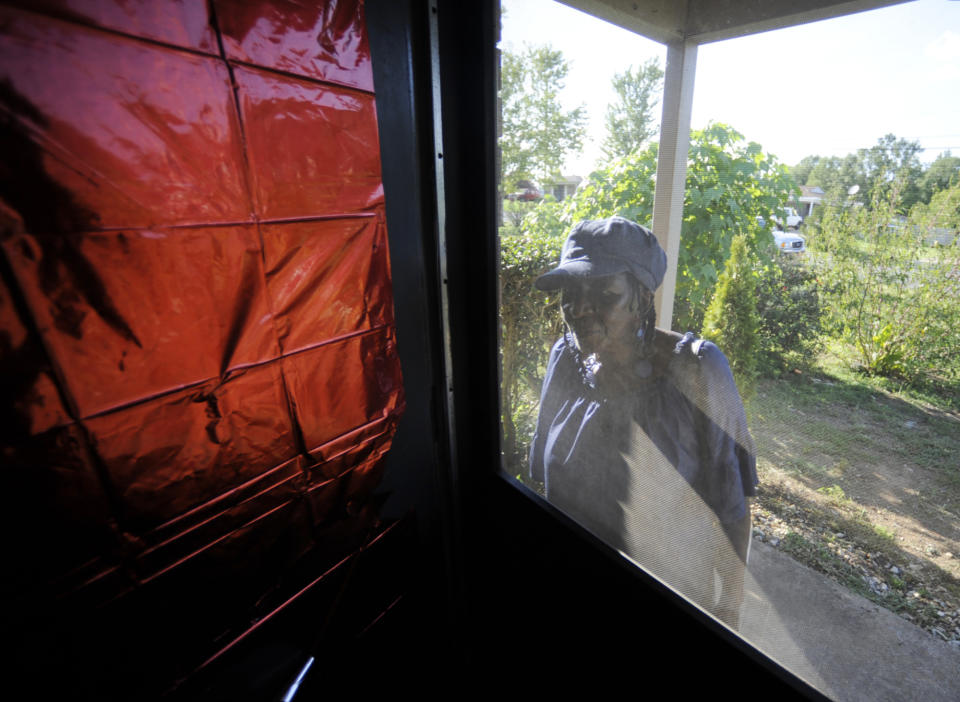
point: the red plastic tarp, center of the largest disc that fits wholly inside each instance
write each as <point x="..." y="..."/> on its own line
<point x="197" y="342"/>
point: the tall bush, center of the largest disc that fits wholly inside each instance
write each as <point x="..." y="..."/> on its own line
<point x="732" y="321"/>
<point x="788" y="302"/>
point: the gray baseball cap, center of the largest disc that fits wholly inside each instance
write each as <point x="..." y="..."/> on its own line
<point x="597" y="247"/>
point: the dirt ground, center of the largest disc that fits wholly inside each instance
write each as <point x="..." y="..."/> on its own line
<point x="864" y="487"/>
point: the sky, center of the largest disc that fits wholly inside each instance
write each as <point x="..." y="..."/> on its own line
<point x="825" y="88"/>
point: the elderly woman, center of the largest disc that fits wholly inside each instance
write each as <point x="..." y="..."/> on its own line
<point x="641" y="435"/>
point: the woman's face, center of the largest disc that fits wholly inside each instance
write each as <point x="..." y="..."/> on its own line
<point x="604" y="316"/>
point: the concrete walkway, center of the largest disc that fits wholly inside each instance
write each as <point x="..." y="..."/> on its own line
<point x="842" y="644"/>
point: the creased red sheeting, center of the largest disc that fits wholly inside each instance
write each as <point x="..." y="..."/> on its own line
<point x="325" y="273"/>
<point x="197" y="343"/>
<point x="136" y="135"/>
<point x="322" y="40"/>
<point x="295" y="173"/>
<point x="169" y="307"/>
<point x="178" y="22"/>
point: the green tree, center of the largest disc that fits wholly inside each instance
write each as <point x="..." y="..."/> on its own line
<point x="801" y="172"/>
<point x="889" y="162"/>
<point x="732" y="321"/>
<point x="941" y="174"/>
<point x="631" y="120"/>
<point x="536" y="132"/>
<point x="837" y="174"/>
<point x="943" y="211"/>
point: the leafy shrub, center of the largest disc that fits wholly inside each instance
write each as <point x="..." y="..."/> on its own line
<point x="547" y="220"/>
<point x="731" y="321"/>
<point x="530" y="324"/>
<point x="942" y="214"/>
<point x="513" y="213"/>
<point x="788" y="302"/>
<point x="891" y="295"/>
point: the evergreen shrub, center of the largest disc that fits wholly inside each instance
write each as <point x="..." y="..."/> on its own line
<point x="732" y="321"/>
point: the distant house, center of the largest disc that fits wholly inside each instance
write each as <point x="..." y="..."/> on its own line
<point x="563" y="187"/>
<point x="810" y="196"/>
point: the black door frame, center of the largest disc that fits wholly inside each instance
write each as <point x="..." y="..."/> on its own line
<point x="524" y="586"/>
